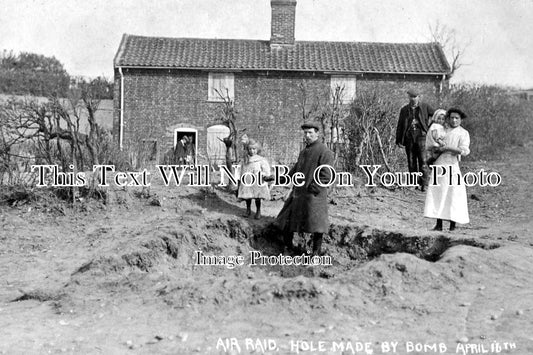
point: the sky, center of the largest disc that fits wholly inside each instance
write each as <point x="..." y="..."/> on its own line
<point x="497" y="35"/>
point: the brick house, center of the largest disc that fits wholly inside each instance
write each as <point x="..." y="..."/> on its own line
<point x="166" y="87"/>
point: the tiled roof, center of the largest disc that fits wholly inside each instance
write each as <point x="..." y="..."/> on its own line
<point x="348" y="57"/>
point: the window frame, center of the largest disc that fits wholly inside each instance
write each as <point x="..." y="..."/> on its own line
<point x="228" y="78"/>
<point x="335" y="79"/>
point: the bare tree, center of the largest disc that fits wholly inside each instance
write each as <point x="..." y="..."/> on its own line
<point x="330" y="110"/>
<point x="333" y="117"/>
<point x="453" y="48"/>
<point x="87" y="97"/>
<point x="15" y="129"/>
<point x="310" y="107"/>
<point x="52" y="125"/>
<point x="228" y="119"/>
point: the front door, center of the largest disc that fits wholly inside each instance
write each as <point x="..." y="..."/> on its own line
<point x="216" y="149"/>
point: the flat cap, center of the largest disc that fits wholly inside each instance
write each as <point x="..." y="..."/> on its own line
<point x="311" y="125"/>
<point x="413" y="92"/>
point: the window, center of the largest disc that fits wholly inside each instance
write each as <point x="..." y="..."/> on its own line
<point x="221" y="82"/>
<point x="344" y="86"/>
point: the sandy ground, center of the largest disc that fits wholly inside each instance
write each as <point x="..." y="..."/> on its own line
<point x="120" y="278"/>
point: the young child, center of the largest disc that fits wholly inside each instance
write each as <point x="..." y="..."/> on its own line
<point x="435" y="136"/>
<point x="255" y="164"/>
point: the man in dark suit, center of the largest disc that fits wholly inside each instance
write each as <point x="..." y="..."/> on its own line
<point x="411" y="133"/>
<point x="180" y="151"/>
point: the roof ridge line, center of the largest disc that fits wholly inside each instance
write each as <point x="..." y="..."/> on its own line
<point x="267" y="40"/>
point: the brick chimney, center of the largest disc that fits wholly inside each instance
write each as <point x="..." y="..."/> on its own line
<point x="282" y="26"/>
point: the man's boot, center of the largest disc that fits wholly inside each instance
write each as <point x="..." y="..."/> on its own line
<point x="287" y="241"/>
<point x="317" y="243"/>
<point x="258" y="208"/>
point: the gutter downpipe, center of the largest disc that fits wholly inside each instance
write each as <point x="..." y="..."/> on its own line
<point x="441" y="87"/>
<point x="121" y="110"/>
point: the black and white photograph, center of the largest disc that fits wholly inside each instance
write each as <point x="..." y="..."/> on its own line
<point x="337" y="177"/>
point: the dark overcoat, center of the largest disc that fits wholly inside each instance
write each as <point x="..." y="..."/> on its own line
<point x="180" y="153"/>
<point x="424" y="112"/>
<point x="306" y="209"/>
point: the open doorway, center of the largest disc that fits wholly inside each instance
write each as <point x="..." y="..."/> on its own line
<point x="186" y="145"/>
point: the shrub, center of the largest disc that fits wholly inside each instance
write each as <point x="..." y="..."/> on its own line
<point x="370" y="130"/>
<point x="496" y="120"/>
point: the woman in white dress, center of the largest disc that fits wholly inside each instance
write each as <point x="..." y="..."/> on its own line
<point x="446" y="196"/>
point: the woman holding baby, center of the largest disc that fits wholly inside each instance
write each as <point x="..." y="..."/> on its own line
<point x="446" y="198"/>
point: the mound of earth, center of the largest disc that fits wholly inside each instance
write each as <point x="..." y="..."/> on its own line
<point x="120" y="276"/>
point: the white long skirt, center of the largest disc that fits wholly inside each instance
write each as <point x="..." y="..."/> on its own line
<point x="445" y="200"/>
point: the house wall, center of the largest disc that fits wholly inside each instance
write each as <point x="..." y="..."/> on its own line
<point x="396" y="88"/>
<point x="268" y="105"/>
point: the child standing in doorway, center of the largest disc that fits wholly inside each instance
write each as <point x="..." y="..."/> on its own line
<point x="253" y="165"/>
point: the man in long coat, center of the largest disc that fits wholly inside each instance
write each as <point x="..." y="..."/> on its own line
<point x="180" y="151"/>
<point x="306" y="210"/>
<point x="411" y="133"/>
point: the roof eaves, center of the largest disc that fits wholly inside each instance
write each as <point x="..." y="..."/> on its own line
<point x="387" y="72"/>
<point x="326" y="71"/>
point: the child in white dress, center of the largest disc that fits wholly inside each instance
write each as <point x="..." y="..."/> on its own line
<point x="252" y="166"/>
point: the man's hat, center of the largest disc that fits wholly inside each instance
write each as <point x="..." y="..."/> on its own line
<point x="412" y="92"/>
<point x="311" y="124"/>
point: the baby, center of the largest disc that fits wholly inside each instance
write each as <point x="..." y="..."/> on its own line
<point x="436" y="136"/>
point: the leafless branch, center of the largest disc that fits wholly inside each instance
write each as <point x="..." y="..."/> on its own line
<point x="453" y="48"/>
